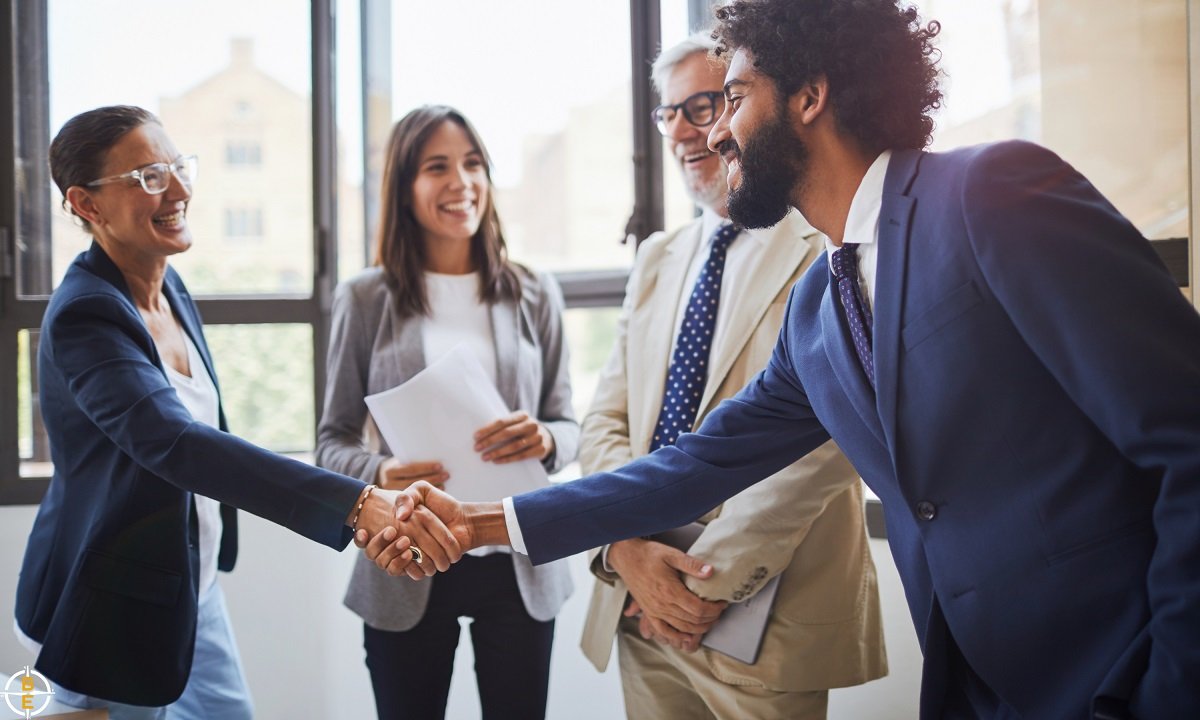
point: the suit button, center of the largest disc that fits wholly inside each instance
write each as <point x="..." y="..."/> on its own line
<point x="926" y="510"/>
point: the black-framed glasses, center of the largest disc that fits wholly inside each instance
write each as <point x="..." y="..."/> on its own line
<point x="700" y="109"/>
<point x="156" y="177"/>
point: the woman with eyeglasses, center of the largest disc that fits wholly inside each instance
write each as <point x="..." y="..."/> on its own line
<point x="442" y="279"/>
<point x="118" y="595"/>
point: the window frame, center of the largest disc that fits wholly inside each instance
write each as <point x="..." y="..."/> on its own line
<point x="23" y="39"/>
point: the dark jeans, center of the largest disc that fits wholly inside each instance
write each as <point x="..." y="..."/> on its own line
<point x="410" y="670"/>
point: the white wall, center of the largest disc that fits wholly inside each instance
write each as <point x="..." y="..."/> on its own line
<point x="303" y="650"/>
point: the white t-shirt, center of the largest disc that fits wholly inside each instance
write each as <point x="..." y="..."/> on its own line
<point x="199" y="396"/>
<point x="458" y="317"/>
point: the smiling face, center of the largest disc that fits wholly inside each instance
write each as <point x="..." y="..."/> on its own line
<point x="767" y="160"/>
<point x="450" y="192"/>
<point x="123" y="216"/>
<point x="703" y="169"/>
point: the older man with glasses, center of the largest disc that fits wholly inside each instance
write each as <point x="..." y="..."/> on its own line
<point x="705" y="302"/>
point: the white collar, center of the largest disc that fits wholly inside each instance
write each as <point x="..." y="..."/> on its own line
<point x="862" y="222"/>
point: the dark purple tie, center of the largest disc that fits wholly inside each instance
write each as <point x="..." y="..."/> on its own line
<point x="689" y="363"/>
<point x="844" y="265"/>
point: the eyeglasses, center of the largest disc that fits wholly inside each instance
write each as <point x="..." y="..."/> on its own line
<point x="156" y="177"/>
<point x="700" y="110"/>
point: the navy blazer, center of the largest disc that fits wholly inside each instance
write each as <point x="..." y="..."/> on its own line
<point x="1035" y="438"/>
<point x="109" y="581"/>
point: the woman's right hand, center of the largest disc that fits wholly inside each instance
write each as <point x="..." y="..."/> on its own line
<point x="395" y="475"/>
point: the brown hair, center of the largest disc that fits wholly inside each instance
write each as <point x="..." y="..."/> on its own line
<point x="399" y="248"/>
<point x="80" y="148"/>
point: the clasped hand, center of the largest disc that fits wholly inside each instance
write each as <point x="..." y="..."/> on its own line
<point x="398" y="520"/>
<point x="668" y="612"/>
<point x="421" y="515"/>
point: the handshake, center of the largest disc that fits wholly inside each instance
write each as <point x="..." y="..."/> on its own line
<point x="422" y="530"/>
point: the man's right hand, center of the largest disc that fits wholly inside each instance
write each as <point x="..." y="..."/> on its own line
<point x="651" y="570"/>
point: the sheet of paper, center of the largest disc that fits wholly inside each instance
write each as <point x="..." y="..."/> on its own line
<point x="434" y="416"/>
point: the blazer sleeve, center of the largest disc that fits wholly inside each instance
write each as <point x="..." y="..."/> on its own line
<point x="100" y="347"/>
<point x="554" y="406"/>
<point x="1092" y="299"/>
<point x="762" y="526"/>
<point x="766" y="426"/>
<point x="340" y="433"/>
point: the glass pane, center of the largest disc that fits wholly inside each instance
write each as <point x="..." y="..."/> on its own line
<point x="233" y="88"/>
<point x="678" y="208"/>
<point x="266" y="377"/>
<point x="32" y="446"/>
<point x="556" y="120"/>
<point x="590" y="333"/>
<point x="1046" y="72"/>
<point x="351" y="246"/>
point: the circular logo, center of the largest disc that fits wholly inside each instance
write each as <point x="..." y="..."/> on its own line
<point x="27" y="692"/>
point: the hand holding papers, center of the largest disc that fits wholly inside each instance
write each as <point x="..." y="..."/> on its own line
<point x="436" y="415"/>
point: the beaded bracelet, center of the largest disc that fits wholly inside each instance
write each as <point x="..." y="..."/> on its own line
<point x="358" y="510"/>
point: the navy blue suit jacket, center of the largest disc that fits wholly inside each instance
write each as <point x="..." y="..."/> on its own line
<point x="109" y="580"/>
<point x="1035" y="438"/>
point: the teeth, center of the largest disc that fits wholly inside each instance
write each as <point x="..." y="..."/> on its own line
<point x="459" y="206"/>
<point x="175" y="218"/>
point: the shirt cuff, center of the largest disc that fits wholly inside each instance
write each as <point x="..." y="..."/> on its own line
<point x="514" y="528"/>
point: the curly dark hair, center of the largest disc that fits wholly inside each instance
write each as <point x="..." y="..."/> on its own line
<point x="879" y="60"/>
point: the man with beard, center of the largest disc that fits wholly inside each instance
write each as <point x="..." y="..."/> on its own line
<point x="998" y="351"/>
<point x="664" y="374"/>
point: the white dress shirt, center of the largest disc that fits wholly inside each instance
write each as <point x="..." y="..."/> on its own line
<point x="862" y="226"/>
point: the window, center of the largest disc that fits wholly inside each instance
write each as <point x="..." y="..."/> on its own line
<point x="285" y="200"/>
<point x="243" y="153"/>
<point x="1047" y="72"/>
<point x="243" y="224"/>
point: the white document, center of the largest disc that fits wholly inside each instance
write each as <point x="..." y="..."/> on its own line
<point x="434" y="416"/>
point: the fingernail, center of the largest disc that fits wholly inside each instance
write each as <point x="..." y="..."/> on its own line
<point x="706" y="568"/>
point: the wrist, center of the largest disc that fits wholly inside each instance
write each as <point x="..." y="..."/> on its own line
<point x="620" y="551"/>
<point x="356" y="511"/>
<point x="485" y="524"/>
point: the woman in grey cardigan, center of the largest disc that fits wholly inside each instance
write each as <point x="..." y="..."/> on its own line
<point x="442" y="279"/>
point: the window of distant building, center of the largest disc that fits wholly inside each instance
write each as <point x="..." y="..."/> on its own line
<point x="244" y="224"/>
<point x="243" y="153"/>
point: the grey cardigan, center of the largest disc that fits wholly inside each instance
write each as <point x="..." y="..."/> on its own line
<point x="372" y="349"/>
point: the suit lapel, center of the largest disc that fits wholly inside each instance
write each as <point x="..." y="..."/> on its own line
<point x="773" y="267"/>
<point x="409" y="346"/>
<point x="505" y="332"/>
<point x="663" y="293"/>
<point x="181" y="304"/>
<point x="894" y="223"/>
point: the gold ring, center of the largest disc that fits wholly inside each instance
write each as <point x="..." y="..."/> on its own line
<point x="418" y="556"/>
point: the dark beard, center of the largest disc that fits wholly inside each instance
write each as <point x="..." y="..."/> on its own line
<point x="772" y="164"/>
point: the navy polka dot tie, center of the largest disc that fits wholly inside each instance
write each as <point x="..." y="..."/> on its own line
<point x="844" y="265"/>
<point x="689" y="364"/>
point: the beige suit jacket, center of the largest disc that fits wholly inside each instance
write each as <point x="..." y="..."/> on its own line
<point x="806" y="521"/>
